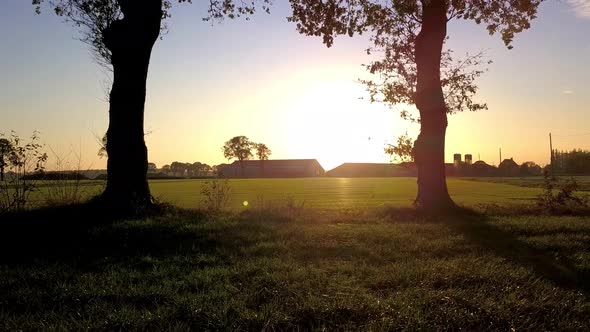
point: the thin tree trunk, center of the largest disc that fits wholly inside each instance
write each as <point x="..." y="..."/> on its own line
<point x="429" y="148"/>
<point x="130" y="41"/>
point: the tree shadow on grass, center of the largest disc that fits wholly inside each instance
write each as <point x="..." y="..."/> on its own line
<point x="85" y="233"/>
<point x="558" y="269"/>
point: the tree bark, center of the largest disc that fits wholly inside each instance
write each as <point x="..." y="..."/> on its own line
<point x="429" y="148"/>
<point x="130" y="41"/>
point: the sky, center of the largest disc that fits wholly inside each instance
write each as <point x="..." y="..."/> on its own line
<point x="260" y="78"/>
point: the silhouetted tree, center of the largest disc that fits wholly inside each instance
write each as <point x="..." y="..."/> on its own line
<point x="178" y="168"/>
<point x="166" y="169"/>
<point x="240" y="148"/>
<point x="5" y="148"/>
<point x="200" y="169"/>
<point x="572" y="162"/>
<point x="262" y="152"/>
<point x="412" y="34"/>
<point x="122" y="34"/>
<point x="530" y="168"/>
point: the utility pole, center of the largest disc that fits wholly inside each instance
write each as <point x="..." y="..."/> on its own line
<point x="500" y="156"/>
<point x="551" y="147"/>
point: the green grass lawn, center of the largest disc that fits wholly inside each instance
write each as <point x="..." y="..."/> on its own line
<point x="386" y="269"/>
<point x="338" y="193"/>
<point x="534" y="181"/>
<point x="305" y="254"/>
<point x="324" y="193"/>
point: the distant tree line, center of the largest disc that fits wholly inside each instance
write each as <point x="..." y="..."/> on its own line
<point x="574" y="162"/>
<point x="188" y="170"/>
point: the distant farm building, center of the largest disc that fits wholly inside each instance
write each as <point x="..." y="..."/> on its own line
<point x="289" y="168"/>
<point x="508" y="167"/>
<point x="480" y="168"/>
<point x="373" y="170"/>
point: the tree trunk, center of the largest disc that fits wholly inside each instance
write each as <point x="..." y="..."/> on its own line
<point x="429" y="148"/>
<point x="130" y="41"/>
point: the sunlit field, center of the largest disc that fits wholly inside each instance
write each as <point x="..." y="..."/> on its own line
<point x="304" y="254"/>
<point x="535" y="181"/>
<point x="327" y="193"/>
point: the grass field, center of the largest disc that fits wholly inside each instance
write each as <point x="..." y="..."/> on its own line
<point x="305" y="254"/>
<point x="338" y="193"/>
<point x="385" y="270"/>
<point x="327" y="193"/>
<point x="534" y="181"/>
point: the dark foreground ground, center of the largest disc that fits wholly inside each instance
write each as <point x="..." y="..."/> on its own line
<point x="286" y="269"/>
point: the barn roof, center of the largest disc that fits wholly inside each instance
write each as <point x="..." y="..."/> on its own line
<point x="277" y="163"/>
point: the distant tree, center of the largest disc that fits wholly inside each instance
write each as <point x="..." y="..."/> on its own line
<point x="5" y="148"/>
<point x="262" y="152"/>
<point x="240" y="148"/>
<point x="411" y="34"/>
<point x="152" y="167"/>
<point x="122" y="34"/>
<point x="574" y="162"/>
<point x="179" y="169"/>
<point x="166" y="169"/>
<point x="402" y="150"/>
<point x="200" y="169"/>
<point x="529" y="168"/>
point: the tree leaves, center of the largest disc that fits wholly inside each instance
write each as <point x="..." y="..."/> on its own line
<point x="93" y="17"/>
<point x="394" y="26"/>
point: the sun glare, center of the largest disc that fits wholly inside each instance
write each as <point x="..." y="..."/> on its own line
<point x="330" y="122"/>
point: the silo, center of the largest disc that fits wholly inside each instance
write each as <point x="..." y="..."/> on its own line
<point x="457" y="159"/>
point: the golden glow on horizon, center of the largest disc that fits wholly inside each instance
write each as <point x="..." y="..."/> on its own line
<point x="329" y="122"/>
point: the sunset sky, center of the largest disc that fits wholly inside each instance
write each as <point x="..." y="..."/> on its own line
<point x="260" y="78"/>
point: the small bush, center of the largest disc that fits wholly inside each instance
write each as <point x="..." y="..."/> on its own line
<point x="560" y="197"/>
<point x="215" y="194"/>
<point x="17" y="162"/>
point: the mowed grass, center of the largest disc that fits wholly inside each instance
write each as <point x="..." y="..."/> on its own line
<point x="535" y="181"/>
<point x="338" y="193"/>
<point x="322" y="193"/>
<point x="387" y="269"/>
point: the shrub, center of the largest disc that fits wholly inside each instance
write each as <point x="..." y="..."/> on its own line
<point x="560" y="197"/>
<point x="215" y="194"/>
<point x="18" y="160"/>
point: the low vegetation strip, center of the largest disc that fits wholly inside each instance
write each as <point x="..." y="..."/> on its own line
<point x="268" y="270"/>
<point x="320" y="193"/>
<point x="534" y="181"/>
